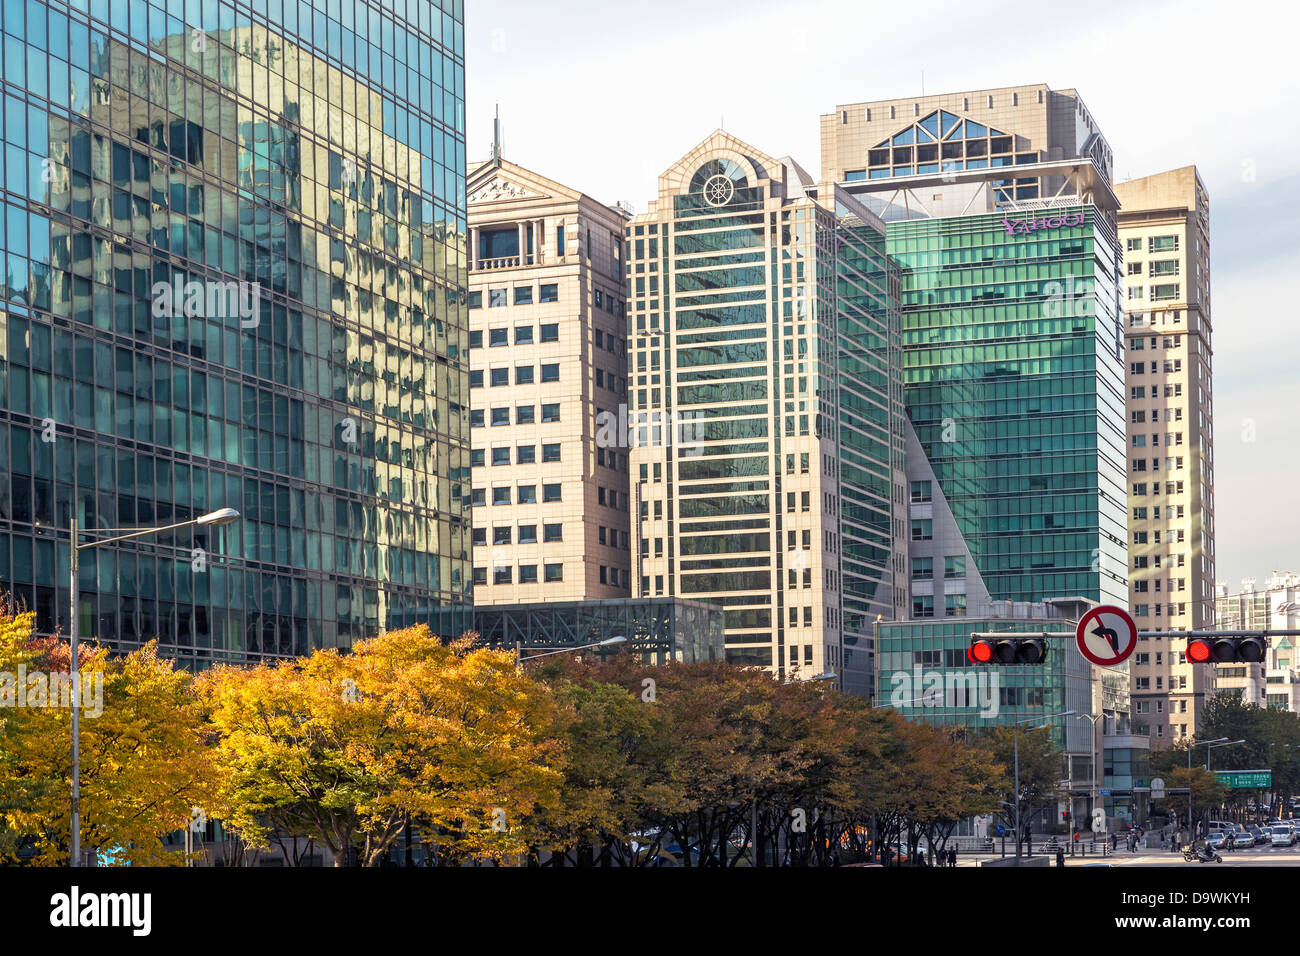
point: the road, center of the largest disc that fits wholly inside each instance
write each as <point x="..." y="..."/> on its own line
<point x="1257" y="856"/>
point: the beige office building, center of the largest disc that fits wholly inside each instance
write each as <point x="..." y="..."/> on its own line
<point x="548" y="354"/>
<point x="1164" y="230"/>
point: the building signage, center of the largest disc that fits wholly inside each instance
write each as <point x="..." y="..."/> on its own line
<point x="1023" y="227"/>
<point x="1245" y="779"/>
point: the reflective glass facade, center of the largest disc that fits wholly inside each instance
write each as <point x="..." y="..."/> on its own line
<point x="234" y="277"/>
<point x="1014" y="382"/>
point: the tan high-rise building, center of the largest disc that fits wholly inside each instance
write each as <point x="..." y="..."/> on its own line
<point x="1164" y="228"/>
<point x="766" y="407"/>
<point x="548" y="354"/>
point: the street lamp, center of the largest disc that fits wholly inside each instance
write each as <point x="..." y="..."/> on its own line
<point x="1016" y="738"/>
<point x="519" y="649"/>
<point x="929" y="696"/>
<point x="212" y="519"/>
<point x="1092" y="759"/>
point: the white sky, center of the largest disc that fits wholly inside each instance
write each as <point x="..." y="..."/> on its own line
<point x="604" y="96"/>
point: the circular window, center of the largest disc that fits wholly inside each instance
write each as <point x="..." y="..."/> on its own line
<point x="719" y="190"/>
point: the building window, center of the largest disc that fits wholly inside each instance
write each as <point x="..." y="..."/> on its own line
<point x="554" y="573"/>
<point x="500" y="377"/>
<point x="527" y="574"/>
<point x="526" y="454"/>
<point x="524" y="375"/>
<point x="477" y="496"/>
<point x="476" y="458"/>
<point x="523" y="295"/>
<point x="500" y="496"/>
<point x="550" y="453"/>
<point x="921" y="492"/>
<point x="525" y="414"/>
<point x="551" y="412"/>
<point x="954" y="566"/>
<point x="922" y="569"/>
<point x="498" y="298"/>
<point x="1162" y="244"/>
<point x="476" y="300"/>
<point x="923" y="606"/>
<point x="500" y="456"/>
<point x="922" y="530"/>
<point x="528" y="494"/>
<point x="523" y="335"/>
<point x="550" y="332"/>
<point x="498" y="338"/>
<point x="480" y="577"/>
<point x="551" y="372"/>
<point x="476" y="378"/>
<point x="552" y="533"/>
<point x="551" y="493"/>
<point x="476" y="339"/>
<point x="549" y="293"/>
<point x="501" y="535"/>
<point x="954" y="605"/>
<point x="528" y="534"/>
<point x="500" y="416"/>
<point x="503" y="575"/>
<point x="476" y="418"/>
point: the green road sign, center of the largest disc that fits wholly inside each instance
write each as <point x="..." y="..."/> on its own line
<point x="1245" y="779"/>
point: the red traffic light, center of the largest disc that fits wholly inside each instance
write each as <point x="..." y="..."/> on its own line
<point x="1198" y="652"/>
<point x="981" y="652"/>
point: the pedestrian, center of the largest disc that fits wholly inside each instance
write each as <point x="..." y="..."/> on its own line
<point x="1114" y="841"/>
<point x="1060" y="856"/>
<point x="952" y="857"/>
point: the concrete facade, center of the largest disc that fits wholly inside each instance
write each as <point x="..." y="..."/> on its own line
<point x="548" y="355"/>
<point x="1164" y="234"/>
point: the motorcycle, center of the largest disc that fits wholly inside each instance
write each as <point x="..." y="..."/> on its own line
<point x="1201" y="854"/>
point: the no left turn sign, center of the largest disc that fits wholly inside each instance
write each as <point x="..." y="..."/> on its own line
<point x="1107" y="636"/>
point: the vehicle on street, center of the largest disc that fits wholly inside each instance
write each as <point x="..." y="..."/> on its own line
<point x="1217" y="840"/>
<point x="1281" y="836"/>
<point x="1242" y="839"/>
<point x="1258" y="835"/>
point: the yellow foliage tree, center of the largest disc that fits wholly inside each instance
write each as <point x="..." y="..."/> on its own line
<point x="142" y="763"/>
<point x="351" y="748"/>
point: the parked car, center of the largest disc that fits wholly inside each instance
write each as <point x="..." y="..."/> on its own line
<point x="1282" y="836"/>
<point x="1258" y="836"/>
<point x="1217" y="840"/>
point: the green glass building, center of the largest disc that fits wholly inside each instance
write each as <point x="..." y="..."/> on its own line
<point x="1014" y="383"/>
<point x="234" y="277"/>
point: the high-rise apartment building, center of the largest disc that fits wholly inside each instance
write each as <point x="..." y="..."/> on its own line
<point x="1012" y="337"/>
<point x="235" y="275"/>
<point x="1164" y="228"/>
<point x="548" y="366"/>
<point x="765" y="409"/>
<point x="1274" y="606"/>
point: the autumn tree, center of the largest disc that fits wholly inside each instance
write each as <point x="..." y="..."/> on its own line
<point x="352" y="748"/>
<point x="143" y="765"/>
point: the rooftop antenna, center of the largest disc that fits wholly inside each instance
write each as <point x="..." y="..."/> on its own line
<point x="496" y="139"/>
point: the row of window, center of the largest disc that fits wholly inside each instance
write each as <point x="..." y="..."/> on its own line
<point x="1171" y="464"/>
<point x="1172" y="440"/>
<point x="954" y="605"/>
<point x="954" y="566"/>
<point x="1171" y="391"/>
<point x="504" y="534"/>
<point x="1171" y="488"/>
<point x="551" y="574"/>
<point x="1142" y="561"/>
<point x="1144" y="610"/>
<point x="1153" y="537"/>
<point x="524" y="375"/>
<point x="1164" y="292"/>
<point x="1171" y="342"/>
<point x="1154" y="244"/>
<point x="546" y="332"/>
<point x="1170" y="366"/>
<point x="524" y="415"/>
<point x="1156" y="267"/>
<point x="1139" y="416"/>
<point x="1175" y="584"/>
<point x="527" y="495"/>
<point x="499" y="298"/>
<point x="523" y="455"/>
<point x="1140" y="514"/>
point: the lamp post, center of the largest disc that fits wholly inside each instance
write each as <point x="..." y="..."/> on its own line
<point x="1092" y="759"/>
<point x="212" y="519"/>
<point x="1015" y="733"/>
<point x="519" y="649"/>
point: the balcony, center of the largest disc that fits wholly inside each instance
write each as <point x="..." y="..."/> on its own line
<point x="508" y="262"/>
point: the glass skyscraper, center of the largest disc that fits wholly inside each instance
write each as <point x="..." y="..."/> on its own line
<point x="235" y="277"/>
<point x="1014" y="382"/>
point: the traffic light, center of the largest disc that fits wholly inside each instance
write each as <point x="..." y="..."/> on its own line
<point x="1226" y="650"/>
<point x="1007" y="650"/>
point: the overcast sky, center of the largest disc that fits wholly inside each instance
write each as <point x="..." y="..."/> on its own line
<point x="604" y="96"/>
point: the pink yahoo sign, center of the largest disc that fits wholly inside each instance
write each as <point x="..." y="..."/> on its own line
<point x="1022" y="227"/>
